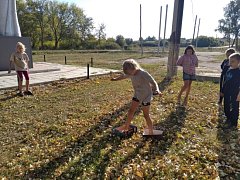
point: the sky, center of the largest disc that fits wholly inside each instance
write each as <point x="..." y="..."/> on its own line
<point x="122" y="17"/>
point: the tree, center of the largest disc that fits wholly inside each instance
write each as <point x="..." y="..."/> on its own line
<point x="59" y="20"/>
<point x="27" y="22"/>
<point x="100" y="33"/>
<point x="204" y="41"/>
<point x="120" y="40"/>
<point x="231" y="24"/>
<point x="38" y="9"/>
<point x="129" y="41"/>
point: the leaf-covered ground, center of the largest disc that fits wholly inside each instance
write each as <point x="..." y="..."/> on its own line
<point x="64" y="132"/>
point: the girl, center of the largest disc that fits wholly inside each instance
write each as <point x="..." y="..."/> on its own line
<point x="188" y="61"/>
<point x="20" y="60"/>
<point x="144" y="87"/>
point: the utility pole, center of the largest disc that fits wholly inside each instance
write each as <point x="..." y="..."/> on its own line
<point x="197" y="32"/>
<point x="159" y="34"/>
<point x="194" y="29"/>
<point x="140" y="39"/>
<point x="175" y="38"/>
<point x="165" y="27"/>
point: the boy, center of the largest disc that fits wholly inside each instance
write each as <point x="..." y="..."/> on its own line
<point x="231" y="91"/>
<point x="225" y="66"/>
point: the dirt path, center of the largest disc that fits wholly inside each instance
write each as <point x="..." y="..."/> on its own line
<point x="206" y="60"/>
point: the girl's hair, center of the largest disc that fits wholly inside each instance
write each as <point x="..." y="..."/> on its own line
<point x="130" y="64"/>
<point x="189" y="47"/>
<point x="19" y="44"/>
<point x="230" y="51"/>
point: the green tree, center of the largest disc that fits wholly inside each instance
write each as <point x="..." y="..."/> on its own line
<point x="38" y="9"/>
<point x="27" y="22"/>
<point x="101" y="33"/>
<point x="231" y="24"/>
<point x="204" y="41"/>
<point x="59" y="20"/>
<point x="120" y="40"/>
<point x="129" y="41"/>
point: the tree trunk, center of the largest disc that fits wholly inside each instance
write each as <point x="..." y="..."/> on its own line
<point x="233" y="42"/>
<point x="236" y="44"/>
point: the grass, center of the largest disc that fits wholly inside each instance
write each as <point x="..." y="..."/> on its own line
<point x="64" y="132"/>
<point x="103" y="59"/>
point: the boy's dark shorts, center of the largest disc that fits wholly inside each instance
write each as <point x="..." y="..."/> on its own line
<point x="191" y="77"/>
<point x="143" y="103"/>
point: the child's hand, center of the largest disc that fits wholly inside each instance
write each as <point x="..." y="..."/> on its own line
<point x="160" y="93"/>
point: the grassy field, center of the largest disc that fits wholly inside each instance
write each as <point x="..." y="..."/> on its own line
<point x="101" y="59"/>
<point x="64" y="132"/>
<point x="105" y="59"/>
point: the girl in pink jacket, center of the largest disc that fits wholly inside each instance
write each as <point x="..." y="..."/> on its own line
<point x="188" y="61"/>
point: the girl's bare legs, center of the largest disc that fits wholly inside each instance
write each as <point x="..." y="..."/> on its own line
<point x="146" y="110"/>
<point x="20" y="85"/>
<point x="131" y="111"/>
<point x="27" y="85"/>
<point x="187" y="93"/>
<point x="184" y="87"/>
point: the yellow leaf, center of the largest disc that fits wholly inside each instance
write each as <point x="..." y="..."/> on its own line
<point x="139" y="174"/>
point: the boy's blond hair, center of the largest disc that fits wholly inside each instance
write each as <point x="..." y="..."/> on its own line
<point x="130" y="64"/>
<point x="235" y="56"/>
<point x="19" y="44"/>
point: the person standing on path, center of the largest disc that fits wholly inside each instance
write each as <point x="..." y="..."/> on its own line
<point x="20" y="60"/>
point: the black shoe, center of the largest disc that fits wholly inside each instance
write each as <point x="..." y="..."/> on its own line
<point x="20" y="94"/>
<point x="28" y="93"/>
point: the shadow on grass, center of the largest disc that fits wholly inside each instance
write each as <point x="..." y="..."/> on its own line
<point x="11" y="96"/>
<point x="172" y="125"/>
<point x="229" y="151"/>
<point x="97" y="138"/>
<point x="164" y="83"/>
<point x="86" y="153"/>
<point x="47" y="170"/>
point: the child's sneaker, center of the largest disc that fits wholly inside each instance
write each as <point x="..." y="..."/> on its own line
<point x="20" y="94"/>
<point x="28" y="93"/>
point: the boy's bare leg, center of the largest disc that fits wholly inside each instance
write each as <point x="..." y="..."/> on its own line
<point x="131" y="111"/>
<point x="146" y="112"/>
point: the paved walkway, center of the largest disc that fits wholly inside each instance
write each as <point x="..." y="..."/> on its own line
<point x="43" y="72"/>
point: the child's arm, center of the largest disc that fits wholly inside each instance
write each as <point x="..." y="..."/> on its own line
<point x="122" y="76"/>
<point x="27" y="60"/>
<point x="196" y="64"/>
<point x="180" y="61"/>
<point x="153" y="83"/>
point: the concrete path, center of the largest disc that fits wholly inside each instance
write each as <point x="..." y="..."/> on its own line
<point x="43" y="72"/>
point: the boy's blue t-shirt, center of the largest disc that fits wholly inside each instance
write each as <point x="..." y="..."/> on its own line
<point x="231" y="85"/>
